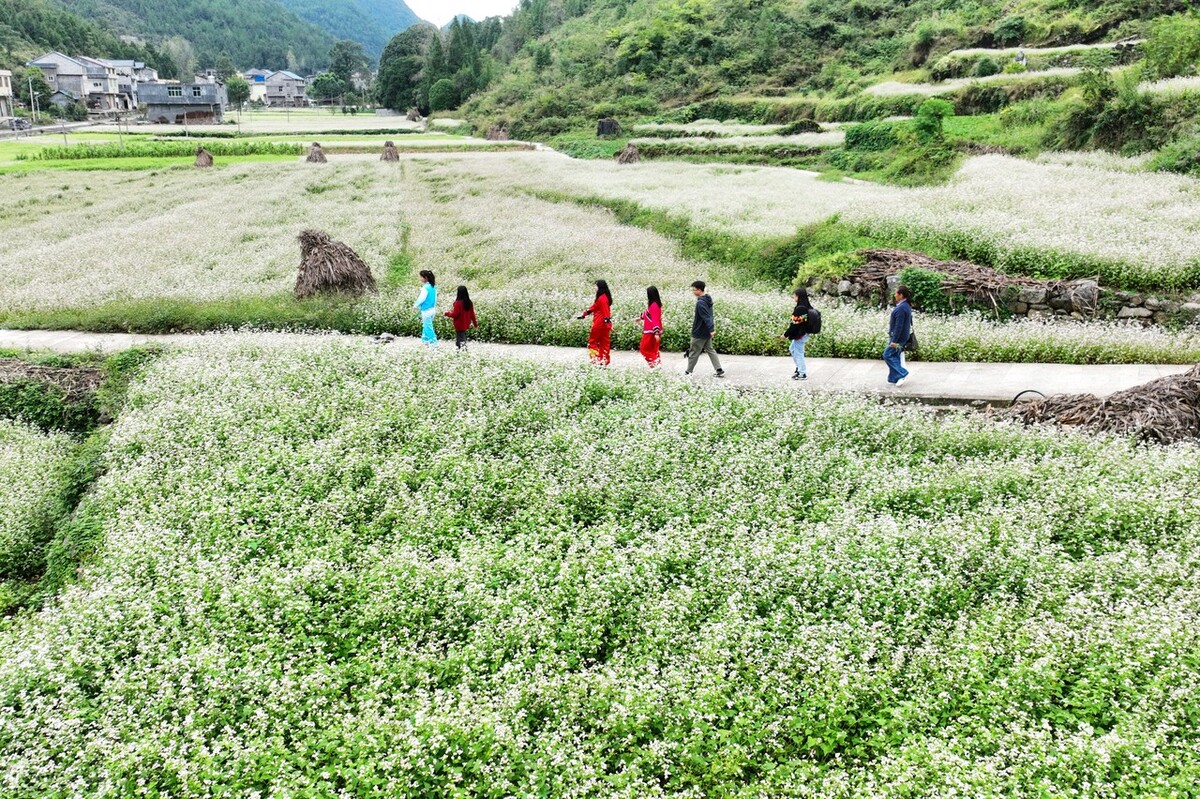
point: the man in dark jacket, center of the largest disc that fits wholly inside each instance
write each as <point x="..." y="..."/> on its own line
<point x="703" y="330"/>
<point x="899" y="332"/>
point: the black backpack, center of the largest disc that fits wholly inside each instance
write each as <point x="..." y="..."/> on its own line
<point x="813" y="324"/>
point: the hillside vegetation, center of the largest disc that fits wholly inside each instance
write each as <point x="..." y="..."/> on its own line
<point x="369" y="22"/>
<point x="252" y="32"/>
<point x="31" y="27"/>
<point x="572" y="58"/>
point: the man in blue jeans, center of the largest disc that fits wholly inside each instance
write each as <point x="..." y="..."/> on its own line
<point x="899" y="332"/>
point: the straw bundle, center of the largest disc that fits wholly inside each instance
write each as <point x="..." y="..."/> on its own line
<point x="413" y="115"/>
<point x="629" y="155"/>
<point x="390" y="153"/>
<point x="1164" y="410"/>
<point x="330" y="267"/>
<point x="316" y="155"/>
<point x="203" y="157"/>
<point x="497" y="133"/>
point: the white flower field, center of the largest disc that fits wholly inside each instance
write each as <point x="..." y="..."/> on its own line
<point x="332" y="570"/>
<point x="302" y="566"/>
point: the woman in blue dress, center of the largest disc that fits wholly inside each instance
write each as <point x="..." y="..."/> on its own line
<point x="425" y="305"/>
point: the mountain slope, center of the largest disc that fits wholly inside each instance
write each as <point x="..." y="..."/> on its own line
<point x="370" y="22"/>
<point x="253" y="32"/>
<point x="31" y="27"/>
<point x="580" y="57"/>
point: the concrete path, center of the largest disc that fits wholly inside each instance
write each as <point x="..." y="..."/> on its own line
<point x="930" y="382"/>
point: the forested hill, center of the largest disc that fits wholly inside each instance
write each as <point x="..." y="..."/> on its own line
<point x="369" y="22"/>
<point x="31" y="27"/>
<point x="259" y="33"/>
<point x="573" y="57"/>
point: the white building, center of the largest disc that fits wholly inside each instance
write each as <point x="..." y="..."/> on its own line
<point x="6" y="94"/>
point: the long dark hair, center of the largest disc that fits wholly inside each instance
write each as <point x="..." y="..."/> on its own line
<point x="425" y="273"/>
<point x="652" y="296"/>
<point x="602" y="288"/>
<point x="464" y="298"/>
<point x="801" y="296"/>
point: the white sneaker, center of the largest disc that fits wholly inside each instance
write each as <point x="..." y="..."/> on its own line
<point x="901" y="382"/>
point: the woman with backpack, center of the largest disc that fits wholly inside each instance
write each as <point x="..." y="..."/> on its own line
<point x="600" y="340"/>
<point x="805" y="321"/>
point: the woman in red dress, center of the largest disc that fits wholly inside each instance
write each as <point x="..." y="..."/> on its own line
<point x="652" y="329"/>
<point x="600" y="340"/>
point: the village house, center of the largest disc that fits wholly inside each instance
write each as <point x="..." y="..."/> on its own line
<point x="6" y="94"/>
<point x="131" y="75"/>
<point x="257" y="78"/>
<point x="103" y="86"/>
<point x="286" y="89"/>
<point x="180" y="103"/>
<point x="67" y="77"/>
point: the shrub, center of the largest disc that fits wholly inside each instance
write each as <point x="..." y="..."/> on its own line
<point x="927" y="291"/>
<point x="928" y="122"/>
<point x="872" y="136"/>
<point x="1182" y="157"/>
<point x="1173" y="46"/>
<point x="984" y="67"/>
<point x="1010" y="30"/>
<point x="443" y="95"/>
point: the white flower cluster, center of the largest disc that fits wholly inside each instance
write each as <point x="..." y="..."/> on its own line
<point x="711" y="127"/>
<point x="329" y="570"/>
<point x="893" y="88"/>
<point x="1185" y="84"/>
<point x="30" y="482"/>
<point x="826" y="138"/>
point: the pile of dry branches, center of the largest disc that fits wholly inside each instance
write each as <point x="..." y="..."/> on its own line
<point x="980" y="284"/>
<point x="1164" y="410"/>
<point x="77" y="383"/>
<point x="330" y="267"/>
<point x="629" y="155"/>
<point x="203" y="157"/>
<point x="315" y="154"/>
<point x="389" y="152"/>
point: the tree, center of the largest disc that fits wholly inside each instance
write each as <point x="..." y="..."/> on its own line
<point x="41" y="89"/>
<point x="442" y="95"/>
<point x="326" y="86"/>
<point x="180" y="50"/>
<point x="238" y="90"/>
<point x="928" y="122"/>
<point x="225" y="67"/>
<point x="346" y="58"/>
<point x="401" y="67"/>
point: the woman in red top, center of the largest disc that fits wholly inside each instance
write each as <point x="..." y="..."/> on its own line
<point x="600" y="340"/>
<point x="463" y="316"/>
<point x="652" y="328"/>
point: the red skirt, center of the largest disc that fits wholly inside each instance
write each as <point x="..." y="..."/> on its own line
<point x="650" y="348"/>
<point x="600" y="345"/>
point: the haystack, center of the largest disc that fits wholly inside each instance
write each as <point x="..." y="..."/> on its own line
<point x="316" y="155"/>
<point x="390" y="153"/>
<point x="413" y="115"/>
<point x="497" y="133"/>
<point x="1164" y="410"/>
<point x="629" y="155"/>
<point x="203" y="157"/>
<point x="330" y="267"/>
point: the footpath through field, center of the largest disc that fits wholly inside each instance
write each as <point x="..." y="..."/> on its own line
<point x="929" y="382"/>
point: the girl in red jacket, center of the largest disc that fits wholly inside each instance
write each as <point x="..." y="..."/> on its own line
<point x="652" y="328"/>
<point x="463" y="315"/>
<point x="600" y="340"/>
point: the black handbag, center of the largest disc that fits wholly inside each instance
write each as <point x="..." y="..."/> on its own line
<point x="911" y="346"/>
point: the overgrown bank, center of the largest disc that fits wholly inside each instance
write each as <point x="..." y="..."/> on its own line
<point x="53" y="434"/>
